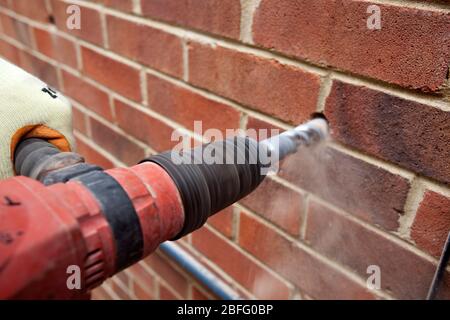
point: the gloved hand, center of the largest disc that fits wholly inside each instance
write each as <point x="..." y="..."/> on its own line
<point x="30" y="109"/>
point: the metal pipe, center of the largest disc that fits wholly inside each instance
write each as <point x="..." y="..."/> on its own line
<point x="440" y="270"/>
<point x="202" y="274"/>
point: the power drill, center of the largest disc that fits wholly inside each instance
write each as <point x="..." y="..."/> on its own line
<point x="61" y="212"/>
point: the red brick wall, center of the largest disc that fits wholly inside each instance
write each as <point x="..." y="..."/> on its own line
<point x="379" y="194"/>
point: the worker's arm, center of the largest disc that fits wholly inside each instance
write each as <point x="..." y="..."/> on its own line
<point x="30" y="108"/>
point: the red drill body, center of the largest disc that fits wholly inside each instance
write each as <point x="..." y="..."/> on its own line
<point x="45" y="230"/>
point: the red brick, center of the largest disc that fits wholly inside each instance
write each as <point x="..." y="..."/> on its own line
<point x="304" y="269"/>
<point x="411" y="134"/>
<point x="403" y="273"/>
<point x="92" y="156"/>
<point x="185" y="106"/>
<point x="334" y="33"/>
<point x="55" y="47"/>
<point x="90" y="28"/>
<point x="15" y="29"/>
<point x="147" y="45"/>
<point x="79" y="120"/>
<point x="260" y="125"/>
<point x="120" y="292"/>
<point x="4" y="3"/>
<point x="257" y="280"/>
<point x="170" y="275"/>
<point x="198" y="295"/>
<point x="144" y="127"/>
<point x="362" y="189"/>
<point x="89" y="96"/>
<point x="9" y="52"/>
<point x="222" y="221"/>
<point x="279" y="90"/>
<point x="115" y="143"/>
<point x="277" y="203"/>
<point x="221" y="17"/>
<point x="100" y="294"/>
<point x="141" y="293"/>
<point x="166" y="294"/>
<point x="432" y="223"/>
<point x="117" y="76"/>
<point x="36" y="9"/>
<point x="143" y="277"/>
<point x="40" y="68"/>
<point x="122" y="5"/>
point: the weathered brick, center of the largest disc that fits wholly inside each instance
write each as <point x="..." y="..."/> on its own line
<point x="115" y="143"/>
<point x="354" y="185"/>
<point x="411" y="134"/>
<point x="92" y="155"/>
<point x="185" y="106"/>
<point x="259" y="281"/>
<point x="335" y="33"/>
<point x="79" y="120"/>
<point x="90" y="28"/>
<point x="260" y="129"/>
<point x="223" y="222"/>
<point x="122" y="5"/>
<point x="9" y="52"/>
<point x="432" y="223"/>
<point x="220" y="17"/>
<point x="197" y="294"/>
<point x="117" y="76"/>
<point x="403" y="273"/>
<point x="40" y="68"/>
<point x="170" y="275"/>
<point x="304" y="269"/>
<point x="55" y="47"/>
<point x="147" y="45"/>
<point x="285" y="92"/>
<point x="166" y="294"/>
<point x="277" y="203"/>
<point x="15" y="29"/>
<point x="144" y="127"/>
<point x="89" y="96"/>
<point x="36" y="9"/>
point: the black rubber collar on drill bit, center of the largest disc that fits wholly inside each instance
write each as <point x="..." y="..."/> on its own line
<point x="205" y="189"/>
<point x="120" y="214"/>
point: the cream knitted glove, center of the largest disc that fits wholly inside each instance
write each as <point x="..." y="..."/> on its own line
<point x="29" y="108"/>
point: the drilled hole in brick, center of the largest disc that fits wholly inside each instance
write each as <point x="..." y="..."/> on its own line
<point x="51" y="19"/>
<point x="320" y="115"/>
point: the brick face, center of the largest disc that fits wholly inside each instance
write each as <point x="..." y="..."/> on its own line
<point x="362" y="189"/>
<point x="403" y="273"/>
<point x="295" y="264"/>
<point x="277" y="203"/>
<point x="113" y="74"/>
<point x="90" y="22"/>
<point x="235" y="263"/>
<point x="185" y="106"/>
<point x="89" y="96"/>
<point x="137" y="71"/>
<point x="221" y="17"/>
<point x="405" y="132"/>
<point x="282" y="91"/>
<point x="115" y="143"/>
<point x="36" y="9"/>
<point x="432" y="223"/>
<point x="334" y="33"/>
<point x="157" y="49"/>
<point x="55" y="47"/>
